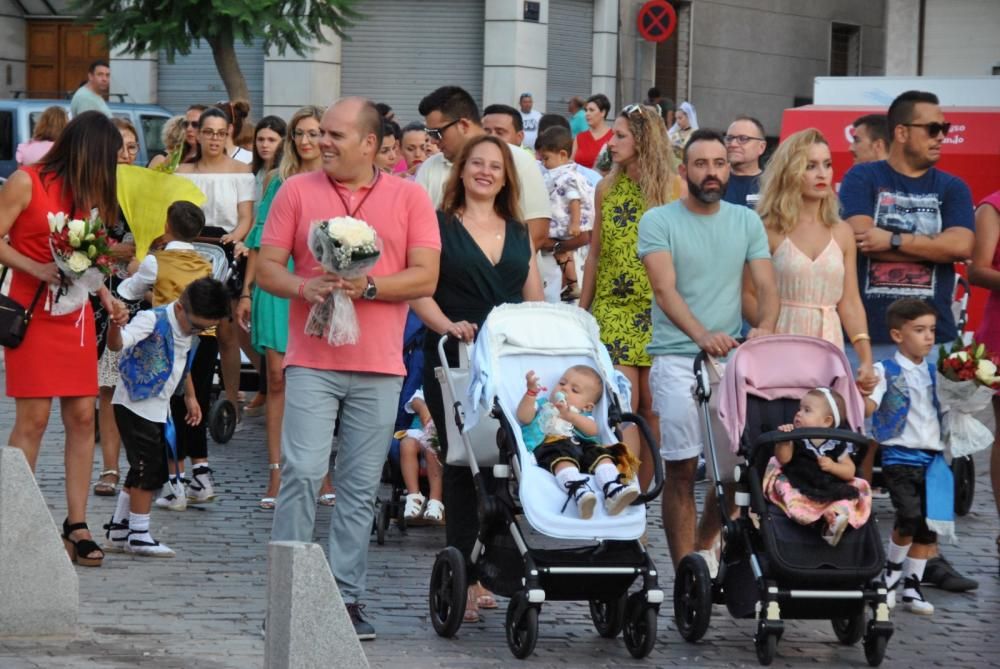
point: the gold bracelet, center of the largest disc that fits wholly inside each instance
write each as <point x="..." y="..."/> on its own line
<point x="860" y="337"/>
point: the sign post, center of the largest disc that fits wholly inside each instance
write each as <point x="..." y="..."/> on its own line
<point x="656" y="21"/>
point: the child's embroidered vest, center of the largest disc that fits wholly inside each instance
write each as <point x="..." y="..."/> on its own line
<point x="889" y="419"/>
<point x="146" y="367"/>
<point x="175" y="269"/>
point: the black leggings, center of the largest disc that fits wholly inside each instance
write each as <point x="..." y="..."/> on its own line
<point x="192" y="441"/>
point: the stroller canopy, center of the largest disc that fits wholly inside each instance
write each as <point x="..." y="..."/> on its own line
<point x="784" y="366"/>
<point x="537" y="328"/>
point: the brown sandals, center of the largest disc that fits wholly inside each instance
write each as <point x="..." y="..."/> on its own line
<point x="105" y="486"/>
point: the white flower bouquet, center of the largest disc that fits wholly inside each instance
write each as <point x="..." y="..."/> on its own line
<point x="81" y="250"/>
<point x="348" y="248"/>
<point x="967" y="379"/>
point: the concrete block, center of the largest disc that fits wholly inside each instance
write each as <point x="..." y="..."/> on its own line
<point x="307" y="624"/>
<point x="38" y="582"/>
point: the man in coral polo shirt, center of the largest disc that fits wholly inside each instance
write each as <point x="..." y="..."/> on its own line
<point x="360" y="382"/>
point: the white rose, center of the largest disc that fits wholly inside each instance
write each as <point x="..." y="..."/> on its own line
<point x="57" y="222"/>
<point x="985" y="371"/>
<point x="78" y="262"/>
<point x="78" y="228"/>
<point x="351" y="231"/>
<point x="74" y="240"/>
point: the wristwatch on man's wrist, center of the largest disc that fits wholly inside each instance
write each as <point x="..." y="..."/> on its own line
<point x="895" y="241"/>
<point x="370" y="290"/>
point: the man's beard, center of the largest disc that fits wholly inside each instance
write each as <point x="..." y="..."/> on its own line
<point x="707" y="197"/>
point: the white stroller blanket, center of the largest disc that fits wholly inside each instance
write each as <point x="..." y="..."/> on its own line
<point x="548" y="339"/>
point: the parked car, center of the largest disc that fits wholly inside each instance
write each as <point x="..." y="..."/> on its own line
<point x="18" y="117"/>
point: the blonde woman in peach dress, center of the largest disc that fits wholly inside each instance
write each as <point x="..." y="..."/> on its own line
<point x="813" y="250"/>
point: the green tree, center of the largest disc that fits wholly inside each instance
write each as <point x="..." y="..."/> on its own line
<point x="140" y="26"/>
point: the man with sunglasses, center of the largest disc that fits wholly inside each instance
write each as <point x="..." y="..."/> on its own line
<point x="745" y="144"/>
<point x="912" y="223"/>
<point x="452" y="119"/>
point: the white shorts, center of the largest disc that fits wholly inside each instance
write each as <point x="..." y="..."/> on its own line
<point x="682" y="425"/>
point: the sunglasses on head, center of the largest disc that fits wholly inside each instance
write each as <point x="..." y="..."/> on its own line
<point x="632" y="108"/>
<point x="933" y="129"/>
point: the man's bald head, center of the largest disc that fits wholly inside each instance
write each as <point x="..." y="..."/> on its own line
<point x="366" y="115"/>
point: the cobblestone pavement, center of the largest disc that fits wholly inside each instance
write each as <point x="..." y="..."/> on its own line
<point x="203" y="609"/>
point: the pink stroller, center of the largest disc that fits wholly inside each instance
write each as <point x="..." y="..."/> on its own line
<point x="773" y="568"/>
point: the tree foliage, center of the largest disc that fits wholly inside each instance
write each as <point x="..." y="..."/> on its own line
<point x="140" y="26"/>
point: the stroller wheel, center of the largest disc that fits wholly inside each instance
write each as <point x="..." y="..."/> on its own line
<point x="521" y="626"/>
<point x="381" y="522"/>
<point x="964" y="471"/>
<point x="766" y="644"/>
<point x="874" y="645"/>
<point x="692" y="597"/>
<point x="222" y="420"/>
<point x="850" y="630"/>
<point x="448" y="592"/>
<point x="608" y="616"/>
<point x="639" y="632"/>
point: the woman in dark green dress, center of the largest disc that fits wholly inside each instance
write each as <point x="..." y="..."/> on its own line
<point x="486" y="260"/>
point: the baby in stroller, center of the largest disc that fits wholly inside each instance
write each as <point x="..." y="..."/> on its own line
<point x="561" y="432"/>
<point x="814" y="479"/>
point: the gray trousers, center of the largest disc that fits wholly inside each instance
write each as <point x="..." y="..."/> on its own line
<point x="367" y="406"/>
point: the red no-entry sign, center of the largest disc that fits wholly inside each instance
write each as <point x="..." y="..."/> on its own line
<point x="657" y="20"/>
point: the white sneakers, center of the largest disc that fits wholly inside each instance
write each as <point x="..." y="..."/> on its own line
<point x="711" y="560"/>
<point x="434" y="511"/>
<point x="618" y="497"/>
<point x="417" y="508"/>
<point x="173" y="497"/>
<point x="913" y="599"/>
<point x="414" y="506"/>
<point x="117" y="535"/>
<point x="142" y="544"/>
<point x="201" y="489"/>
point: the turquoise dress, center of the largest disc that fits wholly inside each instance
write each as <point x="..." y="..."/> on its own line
<point x="269" y="314"/>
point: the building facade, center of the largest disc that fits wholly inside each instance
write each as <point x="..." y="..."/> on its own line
<point x="727" y="57"/>
<point x="397" y="52"/>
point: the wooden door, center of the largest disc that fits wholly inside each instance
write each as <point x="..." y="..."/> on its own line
<point x="59" y="54"/>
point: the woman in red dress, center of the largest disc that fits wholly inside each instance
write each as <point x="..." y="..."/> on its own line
<point x="588" y="144"/>
<point x="58" y="357"/>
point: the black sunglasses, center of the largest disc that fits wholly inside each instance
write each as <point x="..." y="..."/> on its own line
<point x="189" y="124"/>
<point x="933" y="129"/>
<point x="437" y="133"/>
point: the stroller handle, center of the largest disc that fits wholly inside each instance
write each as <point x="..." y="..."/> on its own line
<point x="774" y="436"/>
<point x="703" y="385"/>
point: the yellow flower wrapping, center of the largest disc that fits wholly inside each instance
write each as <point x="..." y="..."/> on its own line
<point x="144" y="196"/>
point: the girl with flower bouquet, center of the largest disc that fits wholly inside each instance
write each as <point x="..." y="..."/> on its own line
<point x="58" y="357"/>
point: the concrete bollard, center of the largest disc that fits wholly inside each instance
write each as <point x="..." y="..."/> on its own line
<point x="307" y="624"/>
<point x="38" y="583"/>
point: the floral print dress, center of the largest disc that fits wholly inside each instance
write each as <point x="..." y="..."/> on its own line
<point x="623" y="297"/>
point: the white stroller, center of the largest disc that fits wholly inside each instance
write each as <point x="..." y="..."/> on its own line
<point x="547" y="338"/>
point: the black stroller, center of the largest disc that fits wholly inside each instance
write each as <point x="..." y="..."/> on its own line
<point x="607" y="555"/>
<point x="773" y="568"/>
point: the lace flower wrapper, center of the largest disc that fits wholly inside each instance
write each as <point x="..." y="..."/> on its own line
<point x="348" y="248"/>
